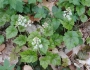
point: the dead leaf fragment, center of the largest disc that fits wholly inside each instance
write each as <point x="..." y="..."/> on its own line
<point x="53" y="67"/>
<point x="27" y="67"/>
<point x="2" y="47"/>
<point x="88" y="61"/>
<point x="76" y="50"/>
<point x="63" y="55"/>
<point x="34" y="19"/>
<point x="7" y="51"/>
<point x="72" y="67"/>
<point x="25" y="1"/>
<point x="49" y="5"/>
<point x="1" y="59"/>
<point x="55" y="50"/>
<point x="24" y="48"/>
<point x="31" y="28"/>
<point x="83" y="62"/>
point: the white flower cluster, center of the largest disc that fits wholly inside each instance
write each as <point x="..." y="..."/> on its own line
<point x="37" y="43"/>
<point x="45" y="25"/>
<point x="67" y="14"/>
<point x="23" y="21"/>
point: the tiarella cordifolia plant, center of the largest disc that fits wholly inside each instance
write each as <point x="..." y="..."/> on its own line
<point x="54" y="28"/>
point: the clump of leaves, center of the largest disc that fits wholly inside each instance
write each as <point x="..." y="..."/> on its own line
<point x="65" y="14"/>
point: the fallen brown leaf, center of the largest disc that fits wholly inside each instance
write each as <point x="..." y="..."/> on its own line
<point x="76" y="49"/>
<point x="72" y="67"/>
<point x="34" y="19"/>
<point x="49" y="5"/>
<point x="7" y="51"/>
<point x="27" y="67"/>
<point x="24" y="48"/>
<point x="53" y="67"/>
<point x="25" y="1"/>
<point x="2" y="47"/>
<point x="55" y="50"/>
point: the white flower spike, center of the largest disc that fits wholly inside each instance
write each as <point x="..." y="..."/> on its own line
<point x="67" y="14"/>
<point x="23" y="21"/>
<point x="36" y="43"/>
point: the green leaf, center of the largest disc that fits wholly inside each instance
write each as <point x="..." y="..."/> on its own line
<point x="83" y="18"/>
<point x="32" y="35"/>
<point x="45" y="44"/>
<point x="11" y="31"/>
<point x="18" y="68"/>
<point x="28" y="56"/>
<point x="4" y="18"/>
<point x="55" y="59"/>
<point x="75" y="2"/>
<point x="88" y="40"/>
<point x="57" y="12"/>
<point x="2" y="68"/>
<point x="11" y="67"/>
<point x="16" y="4"/>
<point x="6" y="65"/>
<point x="10" y="12"/>
<point x="80" y="41"/>
<point x="13" y="54"/>
<point x="88" y="12"/>
<point x="39" y="0"/>
<point x="71" y="39"/>
<point x="57" y="39"/>
<point x="55" y="23"/>
<point x="52" y="45"/>
<point x="86" y="2"/>
<point x="80" y="10"/>
<point x="67" y="24"/>
<point x="19" y="6"/>
<point x="41" y="13"/>
<point x="1" y="3"/>
<point x="14" y="19"/>
<point x="1" y="39"/>
<point x="48" y="31"/>
<point x="44" y="61"/>
<point x="31" y="1"/>
<point x="60" y="1"/>
<point x="13" y="3"/>
<point x="65" y="69"/>
<point x="2" y="22"/>
<point x="21" y="28"/>
<point x="20" y="40"/>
